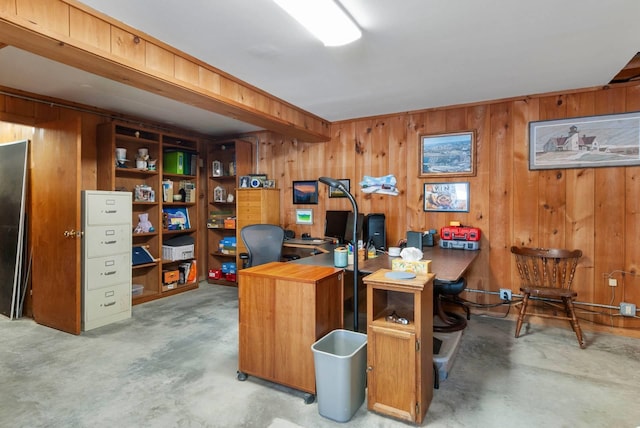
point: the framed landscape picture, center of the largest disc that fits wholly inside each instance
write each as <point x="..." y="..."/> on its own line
<point x="585" y="142"/>
<point x="448" y="155"/>
<point x="337" y="193"/>
<point x="305" y="192"/>
<point x="304" y="216"/>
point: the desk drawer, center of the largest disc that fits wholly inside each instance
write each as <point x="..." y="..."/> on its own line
<point x="109" y="270"/>
<point x="108" y="208"/>
<point x="107" y="240"/>
<point x="107" y="301"/>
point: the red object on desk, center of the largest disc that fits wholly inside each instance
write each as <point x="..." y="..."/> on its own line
<point x="460" y="233"/>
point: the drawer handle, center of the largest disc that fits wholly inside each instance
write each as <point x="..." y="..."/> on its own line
<point x="110" y="211"/>
<point x="113" y="272"/>
<point x="109" y="304"/>
<point x="110" y="242"/>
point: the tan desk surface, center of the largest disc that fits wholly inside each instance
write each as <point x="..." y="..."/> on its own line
<point x="311" y="244"/>
<point x="447" y="264"/>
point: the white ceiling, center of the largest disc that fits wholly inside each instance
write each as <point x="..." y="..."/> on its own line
<point x="414" y="54"/>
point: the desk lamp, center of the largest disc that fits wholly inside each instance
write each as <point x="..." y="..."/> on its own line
<point x="332" y="182"/>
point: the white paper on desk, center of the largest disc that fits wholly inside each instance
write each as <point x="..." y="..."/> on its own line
<point x="411" y="254"/>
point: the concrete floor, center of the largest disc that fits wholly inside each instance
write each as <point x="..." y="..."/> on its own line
<point x="174" y="365"/>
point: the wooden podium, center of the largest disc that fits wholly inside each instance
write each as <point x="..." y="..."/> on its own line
<point x="284" y="308"/>
<point x="400" y="345"/>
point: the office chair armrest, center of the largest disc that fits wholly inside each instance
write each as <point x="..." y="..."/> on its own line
<point x="245" y="260"/>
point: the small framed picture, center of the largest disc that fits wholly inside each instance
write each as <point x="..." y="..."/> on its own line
<point x="336" y="193"/>
<point x="451" y="197"/>
<point x="305" y="192"/>
<point x="245" y="182"/>
<point x="304" y="216"/>
<point x="269" y="184"/>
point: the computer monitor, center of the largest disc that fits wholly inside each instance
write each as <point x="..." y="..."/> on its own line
<point x="335" y="224"/>
<point x="348" y="232"/>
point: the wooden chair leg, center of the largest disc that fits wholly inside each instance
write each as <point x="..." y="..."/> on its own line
<point x="574" y="321"/>
<point x="523" y="311"/>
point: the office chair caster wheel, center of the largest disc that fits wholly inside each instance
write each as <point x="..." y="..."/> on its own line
<point x="309" y="398"/>
<point x="241" y="376"/>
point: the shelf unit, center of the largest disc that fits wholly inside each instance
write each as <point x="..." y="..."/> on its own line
<point x="113" y="175"/>
<point x="400" y="349"/>
<point x="234" y="158"/>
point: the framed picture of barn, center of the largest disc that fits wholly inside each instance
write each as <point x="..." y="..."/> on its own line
<point x="585" y="142"/>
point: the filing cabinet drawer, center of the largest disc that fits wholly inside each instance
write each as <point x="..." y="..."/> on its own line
<point x="107" y="240"/>
<point x="109" y="270"/>
<point x="107" y="302"/>
<point x="108" y="208"/>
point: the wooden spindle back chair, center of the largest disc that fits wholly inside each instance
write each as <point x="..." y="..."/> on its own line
<point x="548" y="273"/>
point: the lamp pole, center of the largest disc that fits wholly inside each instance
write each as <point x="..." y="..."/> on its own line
<point x="338" y="185"/>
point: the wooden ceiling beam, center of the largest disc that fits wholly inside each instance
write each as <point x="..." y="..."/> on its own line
<point x="71" y="33"/>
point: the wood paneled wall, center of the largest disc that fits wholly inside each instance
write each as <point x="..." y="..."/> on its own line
<point x="594" y="209"/>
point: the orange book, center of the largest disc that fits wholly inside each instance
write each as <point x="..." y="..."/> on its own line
<point x="193" y="272"/>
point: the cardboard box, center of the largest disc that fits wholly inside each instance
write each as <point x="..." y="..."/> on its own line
<point x="230" y="223"/>
<point x="167" y="287"/>
<point x="169" y="276"/>
<point x="417" y="267"/>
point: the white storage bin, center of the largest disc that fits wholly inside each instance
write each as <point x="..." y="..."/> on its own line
<point x="182" y="252"/>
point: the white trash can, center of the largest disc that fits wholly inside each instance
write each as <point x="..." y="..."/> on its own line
<point x="340" y="360"/>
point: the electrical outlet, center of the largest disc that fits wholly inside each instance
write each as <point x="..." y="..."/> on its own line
<point x="627" y="309"/>
<point x="613" y="282"/>
<point x="505" y="294"/>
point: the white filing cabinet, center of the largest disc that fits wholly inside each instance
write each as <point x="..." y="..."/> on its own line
<point x="106" y="257"/>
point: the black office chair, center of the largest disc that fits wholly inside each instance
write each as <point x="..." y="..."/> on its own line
<point x="263" y="243"/>
<point x="447" y="291"/>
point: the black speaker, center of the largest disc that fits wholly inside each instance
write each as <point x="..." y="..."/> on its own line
<point x="375" y="230"/>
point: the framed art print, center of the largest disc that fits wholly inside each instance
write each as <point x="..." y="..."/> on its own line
<point x="337" y="193"/>
<point x="305" y="192"/>
<point x="451" y="197"/>
<point x="304" y="216"/>
<point x="448" y="155"/>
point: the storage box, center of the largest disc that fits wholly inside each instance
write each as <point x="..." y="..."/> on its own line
<point x="230" y="223"/>
<point x="228" y="267"/>
<point x="174" y="162"/>
<point x="167" y="287"/>
<point x="170" y="276"/>
<point x="228" y="245"/>
<point x="417" y="267"/>
<point x="137" y="289"/>
<point x="182" y="252"/>
<point x="230" y="277"/>
<point x="215" y="274"/>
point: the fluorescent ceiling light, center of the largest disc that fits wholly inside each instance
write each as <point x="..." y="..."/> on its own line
<point x="324" y="19"/>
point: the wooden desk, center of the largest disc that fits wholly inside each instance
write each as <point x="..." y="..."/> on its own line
<point x="447" y="264"/>
<point x="284" y="309"/>
<point x="317" y="245"/>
